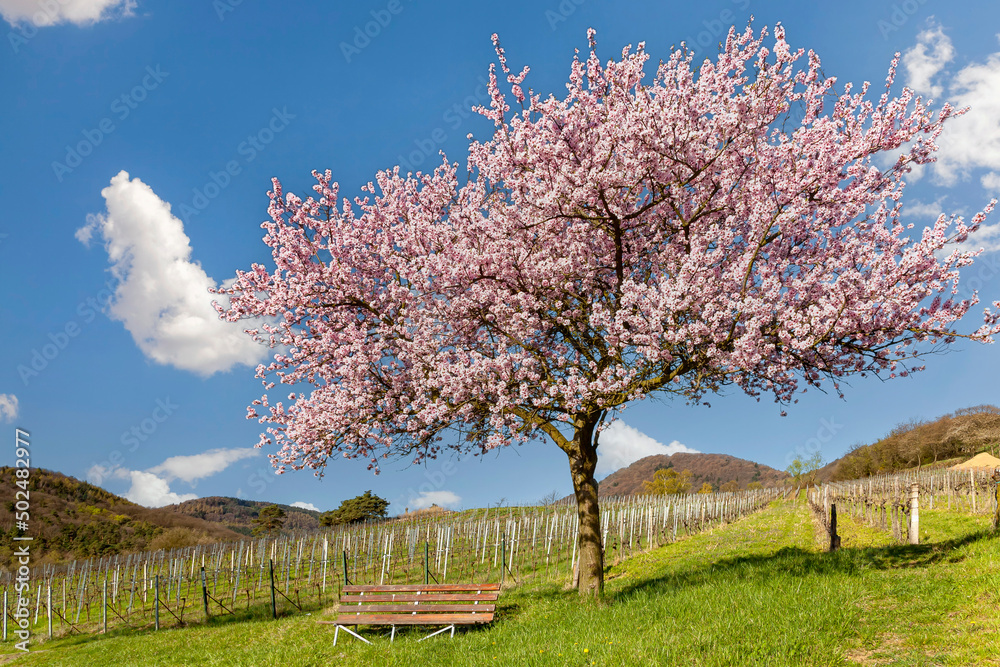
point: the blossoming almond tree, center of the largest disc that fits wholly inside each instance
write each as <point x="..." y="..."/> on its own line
<point x="709" y="226"/>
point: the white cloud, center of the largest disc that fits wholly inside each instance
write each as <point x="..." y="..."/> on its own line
<point x="621" y="445"/>
<point x="926" y="60"/>
<point x="917" y="209"/>
<point x="305" y="506"/>
<point x="81" y="12"/>
<point x="151" y="487"/>
<point x="986" y="237"/>
<point x="439" y="498"/>
<point x="151" y="491"/>
<point x="8" y="407"/>
<point x="196" y="466"/>
<point x="991" y="182"/>
<point x="971" y="141"/>
<point x="162" y="296"/>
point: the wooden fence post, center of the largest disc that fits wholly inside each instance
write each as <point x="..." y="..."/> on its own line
<point x="156" y="603"/>
<point x="204" y="591"/>
<point x="834" y="537"/>
<point x="914" y="536"/>
<point x="274" y="606"/>
<point x="996" y="508"/>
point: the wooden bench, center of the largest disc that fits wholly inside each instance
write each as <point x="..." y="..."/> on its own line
<point x="415" y="604"/>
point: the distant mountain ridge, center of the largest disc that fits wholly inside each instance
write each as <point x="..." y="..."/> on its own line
<point x="921" y="443"/>
<point x="71" y="519"/>
<point x="237" y="514"/>
<point x="716" y="469"/>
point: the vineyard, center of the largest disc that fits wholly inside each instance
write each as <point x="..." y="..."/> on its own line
<point x="883" y="501"/>
<point x="295" y="573"/>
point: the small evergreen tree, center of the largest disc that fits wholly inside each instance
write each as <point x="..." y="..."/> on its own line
<point x="269" y="521"/>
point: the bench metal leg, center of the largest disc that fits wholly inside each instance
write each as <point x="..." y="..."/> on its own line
<point x="347" y="629"/>
<point x="450" y="627"/>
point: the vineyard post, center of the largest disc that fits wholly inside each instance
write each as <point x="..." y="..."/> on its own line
<point x="914" y="513"/>
<point x="5" y="614"/>
<point x="426" y="564"/>
<point x="156" y="603"/>
<point x="834" y="537"/>
<point x="503" y="554"/>
<point x="104" y="606"/>
<point x="204" y="591"/>
<point x="996" y="507"/>
<point x="48" y="608"/>
<point x="274" y="607"/>
<point x="346" y="581"/>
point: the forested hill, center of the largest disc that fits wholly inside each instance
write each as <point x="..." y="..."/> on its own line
<point x="238" y="515"/>
<point x="70" y="519"/>
<point x="916" y="443"/>
<point x="716" y="469"/>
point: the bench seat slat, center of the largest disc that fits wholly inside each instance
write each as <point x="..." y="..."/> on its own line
<point x="433" y="588"/>
<point x="413" y="619"/>
<point x="413" y="597"/>
<point x="419" y="608"/>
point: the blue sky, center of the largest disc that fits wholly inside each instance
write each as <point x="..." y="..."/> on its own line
<point x="111" y="358"/>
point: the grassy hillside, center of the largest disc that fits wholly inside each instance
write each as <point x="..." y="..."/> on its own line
<point x="757" y="592"/>
<point x="716" y="469"/>
<point x="919" y="443"/>
<point x="71" y="519"/>
<point x="238" y="515"/>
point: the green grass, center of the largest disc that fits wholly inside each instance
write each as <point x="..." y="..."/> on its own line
<point x="758" y="592"/>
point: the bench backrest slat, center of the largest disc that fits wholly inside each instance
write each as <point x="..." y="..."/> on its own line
<point x="425" y="588"/>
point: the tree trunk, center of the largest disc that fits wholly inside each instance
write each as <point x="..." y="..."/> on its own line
<point x="582" y="463"/>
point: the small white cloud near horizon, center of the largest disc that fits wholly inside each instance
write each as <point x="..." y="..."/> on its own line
<point x="193" y="467"/>
<point x="149" y="490"/>
<point x="151" y="487"/>
<point x="621" y="445"/>
<point x="8" y="407"/>
<point x="439" y="498"/>
<point x="54" y="12"/>
<point x="305" y="505"/>
<point x="162" y="295"/>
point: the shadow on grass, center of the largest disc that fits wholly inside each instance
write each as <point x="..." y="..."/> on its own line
<point x="258" y="613"/>
<point x="796" y="561"/>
